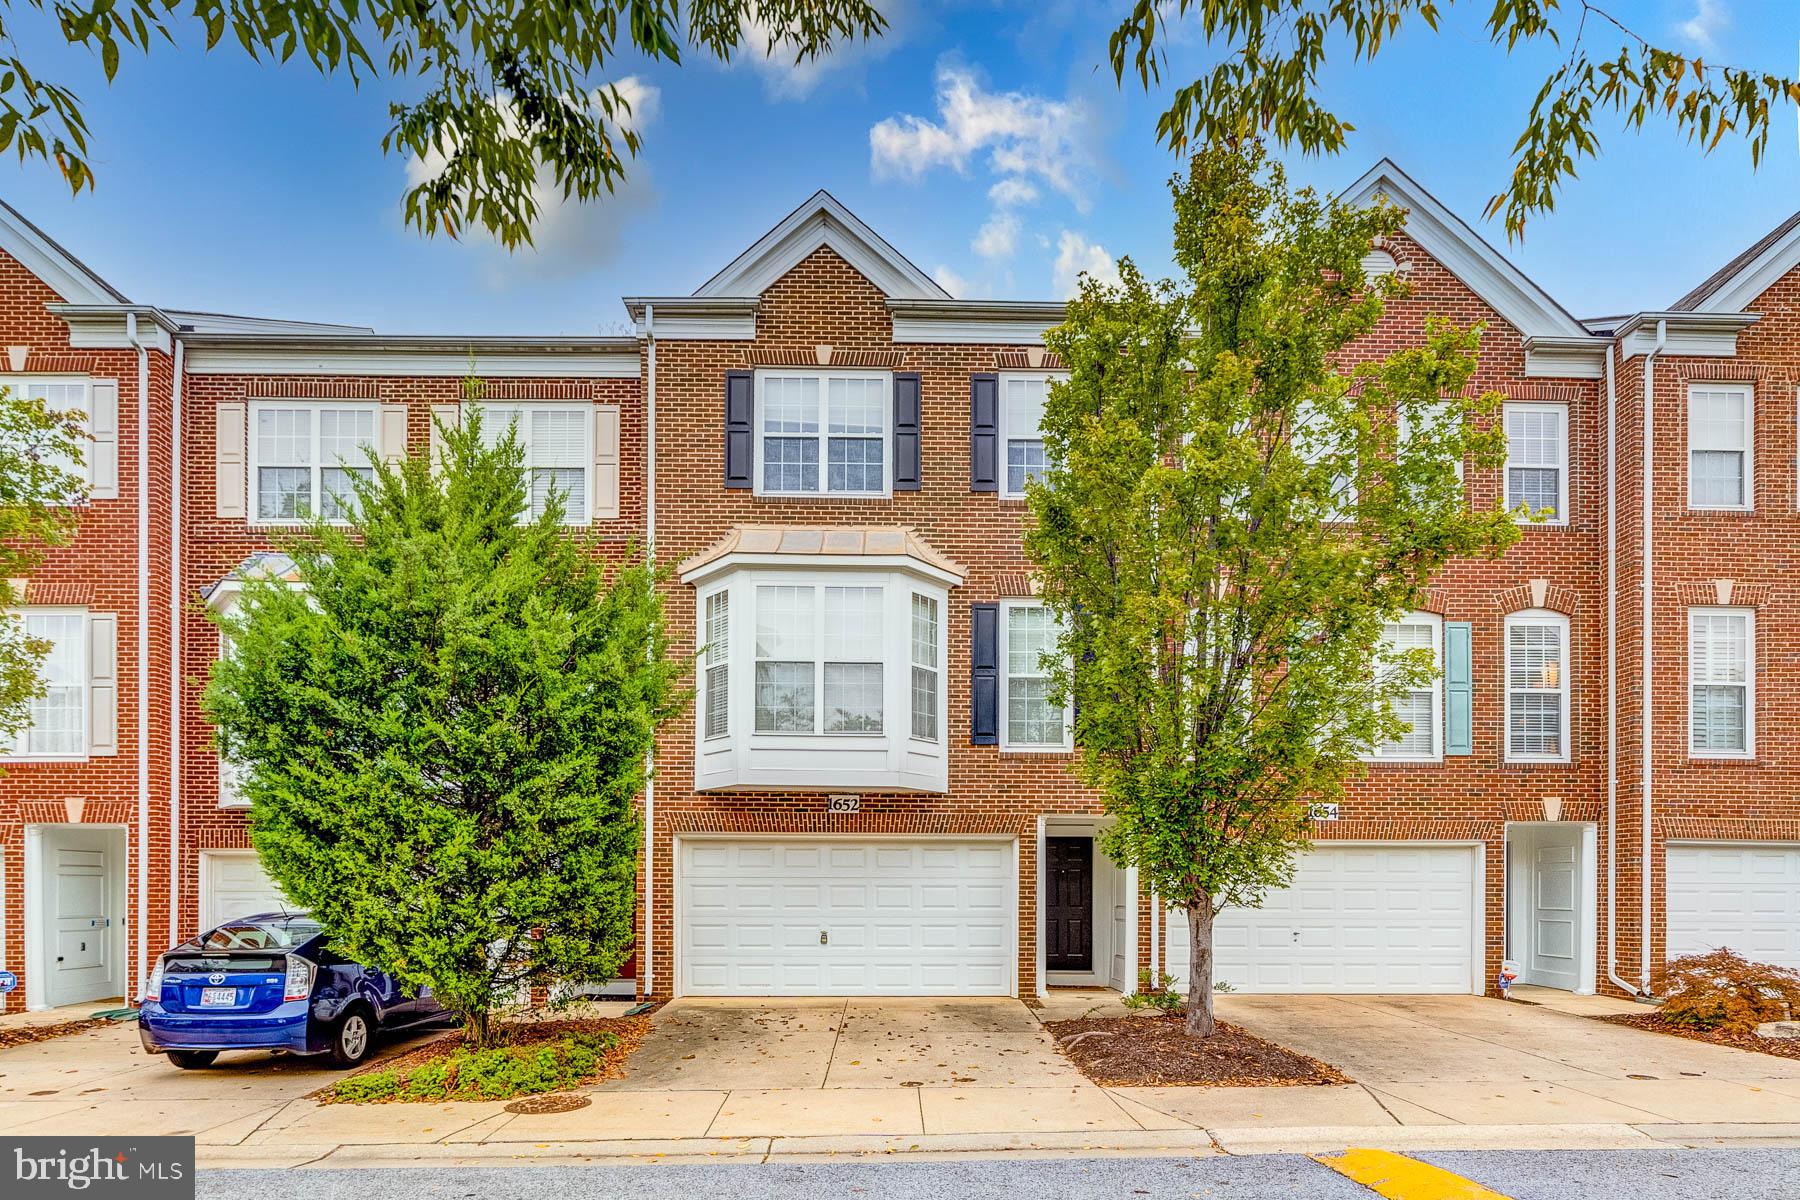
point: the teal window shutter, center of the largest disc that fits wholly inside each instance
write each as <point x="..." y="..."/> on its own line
<point x="1459" y="690"/>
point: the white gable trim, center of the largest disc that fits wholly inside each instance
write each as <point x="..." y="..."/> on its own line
<point x="1463" y="252"/>
<point x="822" y="221"/>
<point x="65" y="274"/>
<point x="1755" y="277"/>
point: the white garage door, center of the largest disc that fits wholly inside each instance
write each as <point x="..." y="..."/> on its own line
<point x="232" y="885"/>
<point x="1365" y="919"/>
<point x="832" y="918"/>
<point x="1741" y="895"/>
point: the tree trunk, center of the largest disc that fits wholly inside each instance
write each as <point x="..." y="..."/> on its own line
<point x="1200" y="1021"/>
<point x="478" y="1027"/>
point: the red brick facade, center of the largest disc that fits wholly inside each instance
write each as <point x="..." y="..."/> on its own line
<point x="820" y="304"/>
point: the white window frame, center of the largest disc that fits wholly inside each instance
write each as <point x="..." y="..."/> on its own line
<point x="1747" y="446"/>
<point x="1441" y="410"/>
<point x="1436" y="689"/>
<point x="1537" y="616"/>
<point x="16" y="384"/>
<point x="1007" y="433"/>
<point x="253" y="488"/>
<point x="1004" y="657"/>
<point x="1561" y="464"/>
<point x="824" y="375"/>
<point x="936" y="667"/>
<point x="496" y="415"/>
<point x="715" y="660"/>
<point x="17" y="751"/>
<point x="1749" y="683"/>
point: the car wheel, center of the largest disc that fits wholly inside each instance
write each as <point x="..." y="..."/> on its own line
<point x="353" y="1039"/>
<point x="192" y="1060"/>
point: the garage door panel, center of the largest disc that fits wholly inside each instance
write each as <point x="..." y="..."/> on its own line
<point x="898" y="918"/>
<point x="233" y="884"/>
<point x="1738" y="895"/>
<point x="1355" y="919"/>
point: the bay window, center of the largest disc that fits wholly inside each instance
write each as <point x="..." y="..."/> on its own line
<point x="823" y="432"/>
<point x="304" y="456"/>
<point x="925" y="673"/>
<point x="1721" y="683"/>
<point x="1537" y="687"/>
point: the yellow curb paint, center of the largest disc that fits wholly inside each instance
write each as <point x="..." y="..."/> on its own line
<point x="1401" y="1178"/>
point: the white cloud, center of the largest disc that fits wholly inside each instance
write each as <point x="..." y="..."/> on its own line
<point x="999" y="237"/>
<point x="1009" y="192"/>
<point x="771" y="54"/>
<point x="950" y="281"/>
<point x="1710" y="19"/>
<point x="571" y="236"/>
<point x="1075" y="256"/>
<point x="1022" y="136"/>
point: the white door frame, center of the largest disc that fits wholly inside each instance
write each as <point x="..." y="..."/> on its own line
<point x="1518" y="892"/>
<point x="680" y="914"/>
<point x="37" y="965"/>
<point x="1105" y="873"/>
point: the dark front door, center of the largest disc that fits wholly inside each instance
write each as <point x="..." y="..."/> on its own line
<point x="1069" y="910"/>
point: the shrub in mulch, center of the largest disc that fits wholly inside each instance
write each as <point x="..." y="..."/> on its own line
<point x="534" y="1057"/>
<point x="24" y="1035"/>
<point x="1724" y="991"/>
<point x="1655" y="1022"/>
<point x="1157" y="1052"/>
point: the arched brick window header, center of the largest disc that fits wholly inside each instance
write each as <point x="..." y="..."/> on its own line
<point x="1724" y="592"/>
<point x="1539" y="593"/>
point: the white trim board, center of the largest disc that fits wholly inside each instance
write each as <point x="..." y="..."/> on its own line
<point x="821" y="221"/>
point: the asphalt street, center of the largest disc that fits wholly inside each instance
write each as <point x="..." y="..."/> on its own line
<point x="1737" y="1174"/>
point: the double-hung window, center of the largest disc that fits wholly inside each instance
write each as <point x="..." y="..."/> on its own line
<point x="304" y="456"/>
<point x="1719" y="440"/>
<point x="556" y="439"/>
<point x="60" y="395"/>
<point x="1721" y="683"/>
<point x="1537" y="687"/>
<point x="716" y="662"/>
<point x="1022" y="400"/>
<point x="823" y="433"/>
<point x="1032" y="718"/>
<point x="58" y="726"/>
<point x="818" y="659"/>
<point x="1435" y="420"/>
<point x="925" y="673"/>
<point x="1537" y="461"/>
<point x="1421" y="706"/>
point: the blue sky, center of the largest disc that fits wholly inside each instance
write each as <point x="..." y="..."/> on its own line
<point x="261" y="189"/>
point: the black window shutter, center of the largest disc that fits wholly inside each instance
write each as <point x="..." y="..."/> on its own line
<point x="984" y="675"/>
<point x="740" y="438"/>
<point x="906" y="432"/>
<point x="984" y="433"/>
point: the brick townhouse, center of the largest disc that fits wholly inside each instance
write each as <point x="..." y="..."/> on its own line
<point x="870" y="793"/>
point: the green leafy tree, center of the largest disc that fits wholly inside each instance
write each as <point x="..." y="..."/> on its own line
<point x="443" y="731"/>
<point x="41" y="453"/>
<point x="505" y="90"/>
<point x="1231" y="518"/>
<point x="1271" y="53"/>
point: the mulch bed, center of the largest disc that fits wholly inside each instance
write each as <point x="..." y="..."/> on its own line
<point x="1779" y="1047"/>
<point x="629" y="1030"/>
<point x="24" y="1035"/>
<point x="1157" y="1052"/>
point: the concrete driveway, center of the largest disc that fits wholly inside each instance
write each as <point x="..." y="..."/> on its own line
<point x="1470" y="1060"/>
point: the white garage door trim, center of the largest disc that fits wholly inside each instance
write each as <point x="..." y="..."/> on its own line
<point x="1476" y="981"/>
<point x="210" y="863"/>
<point x="1689" y="926"/>
<point x="1009" y="904"/>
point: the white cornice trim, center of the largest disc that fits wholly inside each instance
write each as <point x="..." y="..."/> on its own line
<point x="1565" y="358"/>
<point x="1465" y="254"/>
<point x="608" y="358"/>
<point x="821" y="221"/>
<point x="688" y="318"/>
<point x="964" y="322"/>
<point x="1689" y="334"/>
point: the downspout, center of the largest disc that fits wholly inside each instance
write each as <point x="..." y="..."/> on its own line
<point x="1649" y="594"/>
<point x="646" y="950"/>
<point x="1612" y="682"/>
<point x="143" y="652"/>
<point x="175" y="685"/>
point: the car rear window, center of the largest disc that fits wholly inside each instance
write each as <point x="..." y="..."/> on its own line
<point x="276" y="933"/>
<point x="196" y="964"/>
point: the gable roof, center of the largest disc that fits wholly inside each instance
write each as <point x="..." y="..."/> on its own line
<point x="1749" y="275"/>
<point x="1466" y="254"/>
<point x="70" y="278"/>
<point x="822" y="221"/>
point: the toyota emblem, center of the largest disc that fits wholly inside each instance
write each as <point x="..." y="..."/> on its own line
<point x="216" y="977"/>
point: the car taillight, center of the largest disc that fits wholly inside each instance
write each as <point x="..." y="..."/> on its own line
<point x="299" y="978"/>
<point x="153" y="985"/>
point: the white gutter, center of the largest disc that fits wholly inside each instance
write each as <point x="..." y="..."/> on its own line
<point x="1648" y="598"/>
<point x="175" y="686"/>
<point x="646" y="950"/>
<point x="1612" y="682"/>
<point x="133" y="975"/>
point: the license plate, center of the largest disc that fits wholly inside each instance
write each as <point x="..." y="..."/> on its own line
<point x="218" y="997"/>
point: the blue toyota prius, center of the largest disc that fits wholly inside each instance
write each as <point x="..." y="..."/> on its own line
<point x="268" y="983"/>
